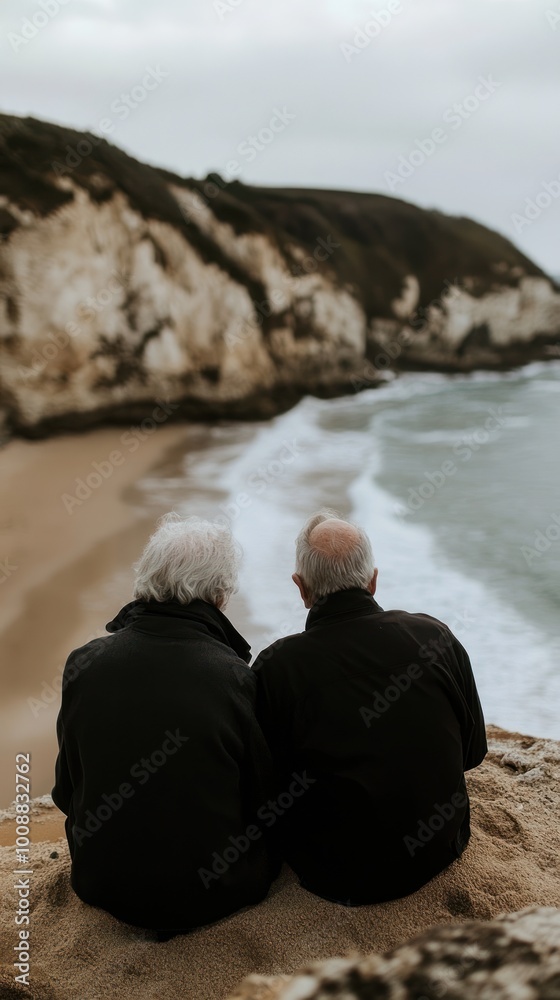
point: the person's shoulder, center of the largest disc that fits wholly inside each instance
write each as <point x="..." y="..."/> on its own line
<point x="429" y="632"/>
<point x="83" y="656"/>
<point x="279" y="651"/>
<point x="430" y="619"/>
<point x="418" y="618"/>
<point x="240" y="673"/>
<point x="221" y="669"/>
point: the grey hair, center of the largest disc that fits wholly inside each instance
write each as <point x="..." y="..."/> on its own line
<point x="325" y="572"/>
<point x="187" y="559"/>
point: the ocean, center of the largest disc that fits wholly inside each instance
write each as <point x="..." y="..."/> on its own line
<point x="457" y="481"/>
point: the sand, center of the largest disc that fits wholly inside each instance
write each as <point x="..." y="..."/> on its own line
<point x="64" y="572"/>
<point x="81" y="953"/>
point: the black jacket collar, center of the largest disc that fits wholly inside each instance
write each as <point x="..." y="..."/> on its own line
<point x="344" y="604"/>
<point x="162" y="617"/>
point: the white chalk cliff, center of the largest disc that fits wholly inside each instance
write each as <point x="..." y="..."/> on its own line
<point x="122" y="285"/>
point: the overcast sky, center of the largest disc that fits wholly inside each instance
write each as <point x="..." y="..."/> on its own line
<point x="358" y="85"/>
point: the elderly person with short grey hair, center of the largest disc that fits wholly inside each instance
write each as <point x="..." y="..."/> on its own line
<point x="379" y="711"/>
<point x="162" y="764"/>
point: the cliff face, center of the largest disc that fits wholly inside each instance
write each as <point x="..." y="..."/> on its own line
<point x="122" y="284"/>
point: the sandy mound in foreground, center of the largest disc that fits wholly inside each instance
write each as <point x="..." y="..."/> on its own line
<point x="513" y="861"/>
<point x="515" y="957"/>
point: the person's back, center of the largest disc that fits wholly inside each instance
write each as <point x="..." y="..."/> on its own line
<point x="378" y="711"/>
<point x="161" y="763"/>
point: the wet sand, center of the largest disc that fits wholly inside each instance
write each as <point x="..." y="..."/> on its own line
<point x="47" y="826"/>
<point x="66" y="569"/>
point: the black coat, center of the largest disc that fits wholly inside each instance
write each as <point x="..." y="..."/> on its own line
<point x="379" y="711"/>
<point x="162" y="766"/>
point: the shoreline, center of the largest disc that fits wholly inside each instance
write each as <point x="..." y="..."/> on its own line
<point x="276" y="401"/>
<point x="72" y="547"/>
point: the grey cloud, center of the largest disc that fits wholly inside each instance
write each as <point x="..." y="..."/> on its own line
<point x="353" y="117"/>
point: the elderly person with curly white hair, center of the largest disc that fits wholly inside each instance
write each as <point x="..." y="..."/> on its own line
<point x="162" y="765"/>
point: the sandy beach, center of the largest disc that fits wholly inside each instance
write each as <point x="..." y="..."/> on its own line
<point x="81" y="953"/>
<point x="71" y="555"/>
<point x="65" y="567"/>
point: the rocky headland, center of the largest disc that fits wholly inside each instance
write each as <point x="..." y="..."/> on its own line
<point x="124" y="286"/>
